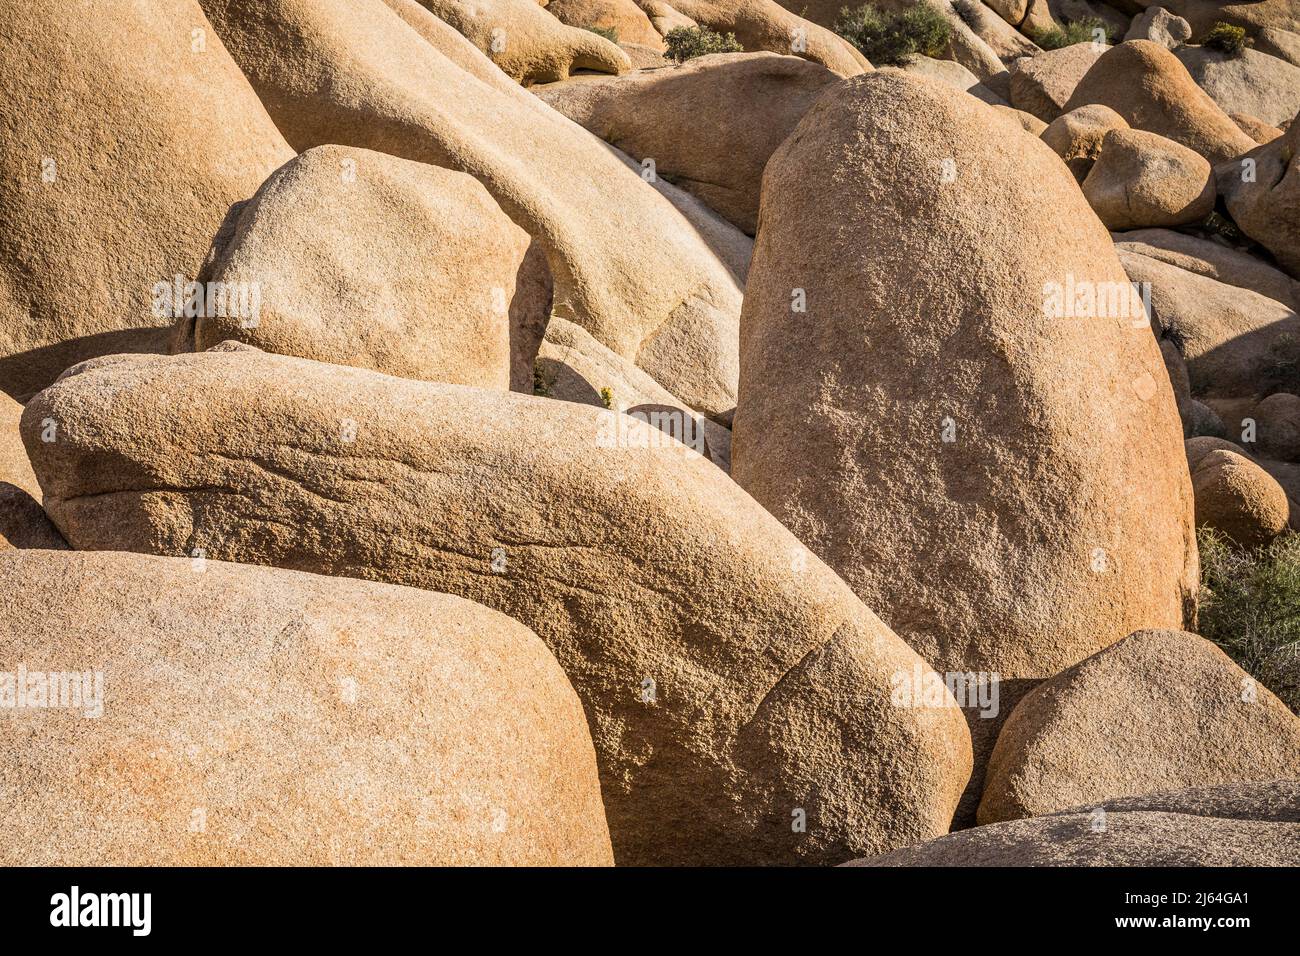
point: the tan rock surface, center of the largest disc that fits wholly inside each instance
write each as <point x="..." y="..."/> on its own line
<point x="118" y="130"/>
<point x="254" y="716"/>
<point x="1142" y="179"/>
<point x="1043" y="84"/>
<point x="1077" y="136"/>
<point x="748" y="103"/>
<point x="1030" y="536"/>
<point x="1158" y="711"/>
<point x="318" y="243"/>
<point x="627" y="265"/>
<point x="729" y="678"/>
<point x="1148" y="86"/>
<point x="1262" y="193"/>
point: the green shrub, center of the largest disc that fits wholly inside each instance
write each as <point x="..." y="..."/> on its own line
<point x="685" y="43"/>
<point x="890" y="38"/>
<point x="1226" y="39"/>
<point x="1250" y="607"/>
<point x="609" y="33"/>
<point x="607" y="397"/>
<point x="1077" y="31"/>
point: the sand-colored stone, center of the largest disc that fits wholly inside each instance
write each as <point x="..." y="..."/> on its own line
<point x="729" y="678"/>
<point x="319" y="244"/>
<point x="1158" y="711"/>
<point x="527" y="42"/>
<point x="1077" y="136"/>
<point x="1249" y="82"/>
<point x="1238" y="824"/>
<point x="1147" y="85"/>
<point x="748" y="103"/>
<point x="963" y="461"/>
<point x="627" y="265"/>
<point x="23" y="522"/>
<point x="1278" y="421"/>
<point x="255" y="716"/>
<point x="1160" y="26"/>
<point x="767" y="25"/>
<point x="1238" y="498"/>
<point x="1262" y="193"/>
<point x="1043" y="84"/>
<point x="628" y="21"/>
<point x="122" y="150"/>
<point x="1214" y="260"/>
<point x="1142" y="179"/>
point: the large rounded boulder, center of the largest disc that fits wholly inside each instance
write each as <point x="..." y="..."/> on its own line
<point x="212" y="714"/>
<point x="1160" y="710"/>
<point x="954" y="402"/>
<point x="740" y="697"/>
<point x="129" y="134"/>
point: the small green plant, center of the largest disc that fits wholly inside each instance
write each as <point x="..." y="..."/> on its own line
<point x="543" y="381"/>
<point x="607" y="397"/>
<point x="1087" y="30"/>
<point x="609" y="33"/>
<point x="1250" y="607"/>
<point x="685" y="43"/>
<point x="1220" y="225"/>
<point x="1226" y="38"/>
<point x="890" y="38"/>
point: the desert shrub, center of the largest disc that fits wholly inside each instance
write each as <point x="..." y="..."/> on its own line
<point x="1250" y="607"/>
<point x="609" y="33"/>
<point x="1087" y="30"/>
<point x="1226" y="39"/>
<point x="607" y="397"/>
<point x="890" y="38"/>
<point x="685" y="43"/>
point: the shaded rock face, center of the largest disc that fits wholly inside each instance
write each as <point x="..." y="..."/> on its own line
<point x="254" y="716"/>
<point x="1159" y="710"/>
<point x="114" y="121"/>
<point x="912" y="412"/>
<point x="1262" y="193"/>
<point x="1210" y="259"/>
<point x="626" y="263"/>
<point x="709" y="125"/>
<point x="1243" y="824"/>
<point x="1147" y="85"/>
<point x="23" y="523"/>
<point x="527" y="42"/>
<point x="1142" y="179"/>
<point x="731" y="682"/>
<point x="318" y="244"/>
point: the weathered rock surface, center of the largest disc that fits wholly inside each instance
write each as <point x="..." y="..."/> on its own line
<point x="254" y="716"/>
<point x="1262" y="193"/>
<point x="1157" y="711"/>
<point x="1231" y="266"/>
<point x="748" y="102"/>
<point x="1242" y="824"/>
<point x="1239" y="499"/>
<point x="628" y="21"/>
<point x="627" y="265"/>
<point x="1248" y="82"/>
<point x="729" y="678"/>
<point x="527" y="42"/>
<point x="111" y="141"/>
<point x="317" y="243"/>
<point x="767" y="25"/>
<point x="23" y="523"/>
<point x="574" y="367"/>
<point x="1043" y="84"/>
<point x="1143" y="179"/>
<point x="1239" y="345"/>
<point x="1148" y="86"/>
<point x="1077" y="136"/>
<point x="961" y="460"/>
<point x="1160" y="26"/>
